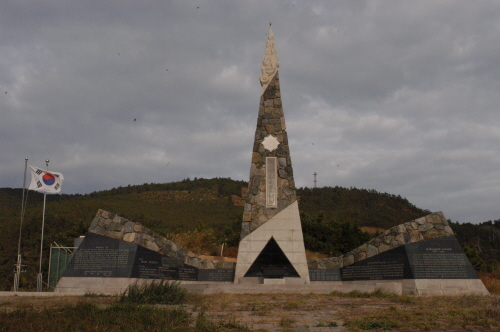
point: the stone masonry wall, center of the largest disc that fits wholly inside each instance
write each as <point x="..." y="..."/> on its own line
<point x="271" y="122"/>
<point x="432" y="226"/>
<point x="116" y="227"/>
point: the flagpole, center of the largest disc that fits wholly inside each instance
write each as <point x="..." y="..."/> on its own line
<point x="23" y="206"/>
<point x="39" y="277"/>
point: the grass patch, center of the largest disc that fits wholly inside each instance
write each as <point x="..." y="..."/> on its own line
<point x="94" y="295"/>
<point x="203" y="324"/>
<point x="378" y="293"/>
<point x="286" y="322"/>
<point x="156" y="292"/>
<point x="331" y="324"/>
<point x="373" y="324"/>
<point x="295" y="304"/>
<point x="123" y="317"/>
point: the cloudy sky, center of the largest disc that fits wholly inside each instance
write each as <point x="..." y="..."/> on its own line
<point x="400" y="97"/>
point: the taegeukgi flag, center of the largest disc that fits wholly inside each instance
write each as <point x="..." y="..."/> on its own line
<point x="45" y="181"/>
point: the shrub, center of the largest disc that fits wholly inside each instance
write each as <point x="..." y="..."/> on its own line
<point x="156" y="292"/>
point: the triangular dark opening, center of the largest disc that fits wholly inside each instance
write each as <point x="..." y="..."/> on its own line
<point x="272" y="263"/>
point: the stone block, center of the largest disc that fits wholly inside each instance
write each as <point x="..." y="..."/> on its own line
<point x="298" y="246"/>
<point x="435" y="218"/>
<point x="348" y="260"/>
<point x="395" y="243"/>
<point x="282" y="173"/>
<point x="401" y="228"/>
<point x="257" y="246"/>
<point x="431" y="234"/>
<point x="114" y="235"/>
<point x="428" y="284"/>
<point x="138" y="238"/>
<point x="95" y="222"/>
<point x="383" y="247"/>
<point x="244" y="245"/>
<point x="206" y="264"/>
<point x="151" y="245"/>
<point x="297" y="236"/>
<point x="403" y="238"/>
<point x="252" y="280"/>
<point x="269" y="128"/>
<point x="334" y="264"/>
<point x="420" y="221"/>
<point x="416" y="236"/>
<point x="454" y="284"/>
<point x="274" y="281"/>
<point x="116" y="226"/>
<point x="148" y="232"/>
<point x="106" y="214"/>
<point x="129" y="237"/>
<point x="286" y="246"/>
<point x="476" y="286"/>
<point x="315" y="264"/>
<point x="296" y="281"/>
<point x="425" y="227"/>
<point x="247" y="216"/>
<point x="371" y="251"/>
<point x="256" y="157"/>
<point x="359" y="256"/>
<point x="282" y="236"/>
<point x="448" y="230"/>
<point x="129" y="227"/>
<point x="244" y="258"/>
<point x="118" y="219"/>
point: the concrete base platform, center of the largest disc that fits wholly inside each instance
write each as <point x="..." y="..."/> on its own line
<point x="407" y="286"/>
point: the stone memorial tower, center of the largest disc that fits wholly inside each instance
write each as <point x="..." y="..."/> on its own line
<point x="271" y="249"/>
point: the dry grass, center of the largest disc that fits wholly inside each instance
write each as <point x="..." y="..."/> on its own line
<point x="492" y="282"/>
<point x="372" y="230"/>
<point x="444" y="313"/>
<point x="358" y="311"/>
<point x="199" y="242"/>
<point x="353" y="311"/>
<point x="311" y="255"/>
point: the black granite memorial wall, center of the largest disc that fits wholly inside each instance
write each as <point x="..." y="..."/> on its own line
<point x="441" y="258"/>
<point x="100" y="256"/>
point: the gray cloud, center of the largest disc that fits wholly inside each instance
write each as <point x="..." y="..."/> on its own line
<point x="396" y="97"/>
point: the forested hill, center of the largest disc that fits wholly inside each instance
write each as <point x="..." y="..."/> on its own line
<point x="213" y="206"/>
<point x="360" y="206"/>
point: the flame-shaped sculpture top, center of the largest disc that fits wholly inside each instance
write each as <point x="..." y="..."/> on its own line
<point x="270" y="64"/>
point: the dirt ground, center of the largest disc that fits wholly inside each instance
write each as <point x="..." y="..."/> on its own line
<point x="318" y="312"/>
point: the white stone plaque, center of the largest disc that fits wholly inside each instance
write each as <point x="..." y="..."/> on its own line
<point x="270" y="143"/>
<point x="271" y="182"/>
